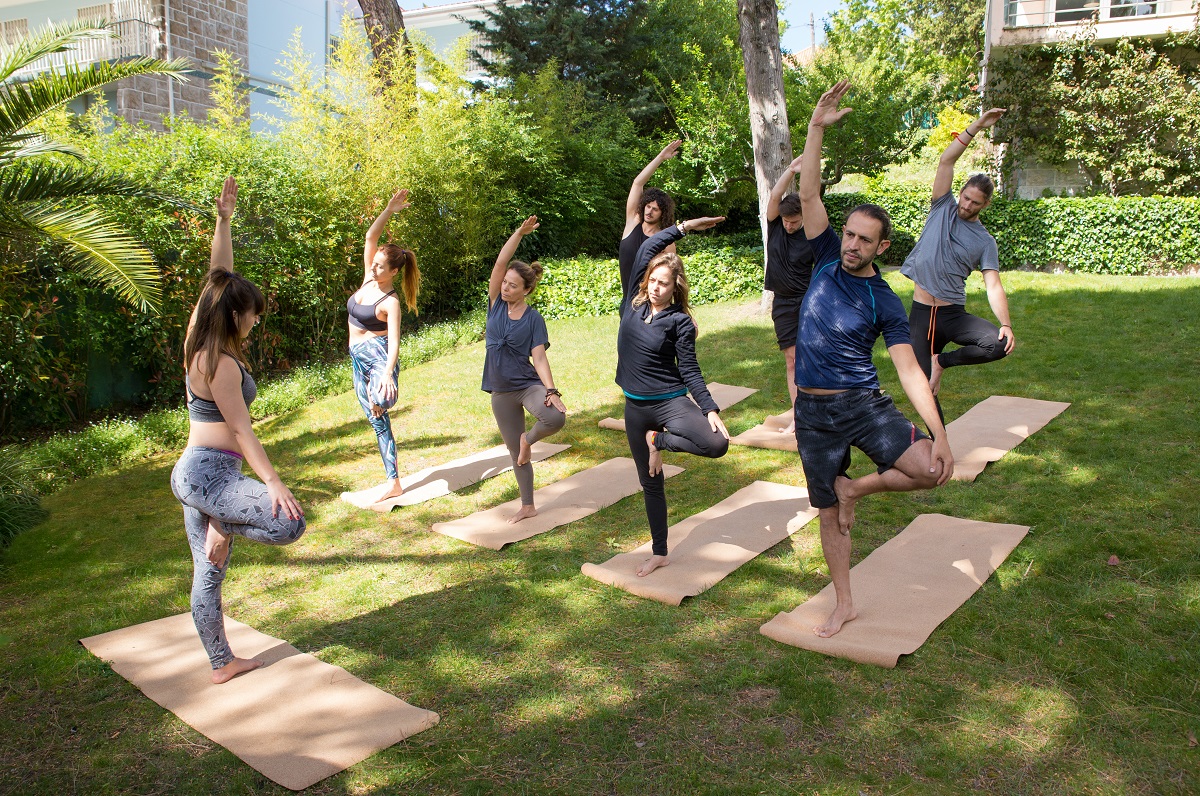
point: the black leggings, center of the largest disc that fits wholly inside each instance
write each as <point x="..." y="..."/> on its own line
<point x="687" y="430"/>
<point x="933" y="328"/>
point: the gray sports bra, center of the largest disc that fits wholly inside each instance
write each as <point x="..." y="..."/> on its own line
<point x="203" y="410"/>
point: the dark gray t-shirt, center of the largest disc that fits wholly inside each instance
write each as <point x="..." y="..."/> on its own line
<point x="948" y="250"/>
<point x="506" y="366"/>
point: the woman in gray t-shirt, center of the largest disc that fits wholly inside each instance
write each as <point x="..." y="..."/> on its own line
<point x="515" y="369"/>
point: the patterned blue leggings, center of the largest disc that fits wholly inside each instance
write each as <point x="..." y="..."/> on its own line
<point x="369" y="360"/>
<point x="209" y="483"/>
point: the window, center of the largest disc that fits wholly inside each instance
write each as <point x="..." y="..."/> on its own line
<point x="1075" y="10"/>
<point x="13" y="31"/>
<point x="97" y="13"/>
<point x="1132" y="8"/>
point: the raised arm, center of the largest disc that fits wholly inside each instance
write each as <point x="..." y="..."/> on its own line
<point x="639" y="184"/>
<point x="943" y="181"/>
<point x="780" y="188"/>
<point x="826" y="113"/>
<point x="506" y="254"/>
<point x="398" y="202"/>
<point x="916" y="387"/>
<point x="222" y="245"/>
<point x="659" y="242"/>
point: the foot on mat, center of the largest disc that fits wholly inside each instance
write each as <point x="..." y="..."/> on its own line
<point x="525" y="513"/>
<point x="652" y="563"/>
<point x="840" y="616"/>
<point x="234" y="668"/>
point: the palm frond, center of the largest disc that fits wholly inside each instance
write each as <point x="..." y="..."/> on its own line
<point x="92" y="244"/>
<point x="48" y="41"/>
<point x="24" y="103"/>
<point x="28" y="145"/>
<point x="46" y="181"/>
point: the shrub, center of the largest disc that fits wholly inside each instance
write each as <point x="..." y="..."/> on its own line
<point x="20" y="508"/>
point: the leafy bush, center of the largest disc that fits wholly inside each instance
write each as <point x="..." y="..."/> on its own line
<point x="116" y="441"/>
<point x="19" y="505"/>
<point x="591" y="286"/>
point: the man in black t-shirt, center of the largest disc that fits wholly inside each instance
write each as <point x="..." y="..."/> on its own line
<point x="647" y="211"/>
<point x="789" y="268"/>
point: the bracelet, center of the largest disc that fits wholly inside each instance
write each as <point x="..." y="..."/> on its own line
<point x="553" y="391"/>
<point x="682" y="227"/>
<point x="1009" y="325"/>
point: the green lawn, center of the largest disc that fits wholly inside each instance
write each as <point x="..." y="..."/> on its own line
<point x="1062" y="674"/>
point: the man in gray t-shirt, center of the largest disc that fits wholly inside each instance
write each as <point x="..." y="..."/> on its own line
<point x="952" y="245"/>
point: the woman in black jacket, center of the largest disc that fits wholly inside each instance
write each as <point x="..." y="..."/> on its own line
<point x="656" y="368"/>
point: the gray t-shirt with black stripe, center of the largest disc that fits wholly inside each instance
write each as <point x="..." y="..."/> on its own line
<point x="948" y="250"/>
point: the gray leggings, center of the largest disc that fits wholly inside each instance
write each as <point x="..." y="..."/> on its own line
<point x="209" y="483"/>
<point x="509" y="409"/>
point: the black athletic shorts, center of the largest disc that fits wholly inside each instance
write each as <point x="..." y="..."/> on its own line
<point x="785" y="312"/>
<point x="827" y="425"/>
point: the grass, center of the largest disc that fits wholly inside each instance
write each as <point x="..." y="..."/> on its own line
<point x="1062" y="674"/>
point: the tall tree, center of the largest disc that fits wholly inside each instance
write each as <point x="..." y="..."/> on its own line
<point x="759" y="36"/>
<point x="596" y="43"/>
<point x="47" y="193"/>
<point x="870" y="43"/>
<point x="384" y="23"/>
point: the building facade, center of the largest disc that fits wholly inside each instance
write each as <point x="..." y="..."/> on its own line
<point x="1024" y="23"/>
<point x="255" y="32"/>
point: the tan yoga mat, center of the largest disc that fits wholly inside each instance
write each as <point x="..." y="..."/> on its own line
<point x="903" y="590"/>
<point x="570" y="499"/>
<point x="441" y="480"/>
<point x="707" y="546"/>
<point x="993" y="427"/>
<point x="769" y="434"/>
<point x="296" y="719"/>
<point x="725" y="395"/>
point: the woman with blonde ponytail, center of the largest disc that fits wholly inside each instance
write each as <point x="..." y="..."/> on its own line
<point x="374" y="321"/>
<point x="218" y="501"/>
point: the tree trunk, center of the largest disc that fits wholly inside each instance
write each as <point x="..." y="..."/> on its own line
<point x="758" y="23"/>
<point x="385" y="26"/>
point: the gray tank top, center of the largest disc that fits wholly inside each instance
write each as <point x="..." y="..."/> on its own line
<point x="202" y="410"/>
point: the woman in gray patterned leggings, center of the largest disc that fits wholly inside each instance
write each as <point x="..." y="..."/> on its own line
<point x="218" y="501"/>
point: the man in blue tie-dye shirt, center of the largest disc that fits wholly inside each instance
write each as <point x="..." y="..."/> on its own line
<point x="838" y="402"/>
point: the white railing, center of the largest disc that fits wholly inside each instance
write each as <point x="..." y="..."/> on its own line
<point x="133" y="38"/>
<point x="1039" y="13"/>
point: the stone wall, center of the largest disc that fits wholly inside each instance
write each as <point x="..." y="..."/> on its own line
<point x="198" y="29"/>
<point x="1034" y="180"/>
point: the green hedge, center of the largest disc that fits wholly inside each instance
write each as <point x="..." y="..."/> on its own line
<point x="716" y="270"/>
<point x="1130" y="235"/>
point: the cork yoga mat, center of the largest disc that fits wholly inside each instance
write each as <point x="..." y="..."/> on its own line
<point x="435" y="482"/>
<point x="570" y="499"/>
<point x="903" y="590"/>
<point x="993" y="427"/>
<point x="769" y="434"/>
<point x="707" y="546"/>
<point x="296" y="719"/>
<point x="726" y="395"/>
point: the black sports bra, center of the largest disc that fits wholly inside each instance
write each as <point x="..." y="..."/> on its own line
<point x="363" y="315"/>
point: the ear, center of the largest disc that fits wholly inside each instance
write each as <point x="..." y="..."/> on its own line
<point x="883" y="246"/>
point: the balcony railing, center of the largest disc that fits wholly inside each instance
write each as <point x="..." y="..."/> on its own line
<point x="1038" y="13"/>
<point x="134" y="38"/>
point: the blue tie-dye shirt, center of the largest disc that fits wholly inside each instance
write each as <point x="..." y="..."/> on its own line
<point x="841" y="318"/>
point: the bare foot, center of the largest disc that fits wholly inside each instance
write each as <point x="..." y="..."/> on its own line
<point x="525" y="513"/>
<point x="791" y="429"/>
<point x="234" y="668"/>
<point x="216" y="544"/>
<point x="840" y="616"/>
<point x="935" y="375"/>
<point x="387" y="490"/>
<point x="655" y="460"/>
<point x="526" y="452"/>
<point x="846" y="501"/>
<point x="652" y="563"/>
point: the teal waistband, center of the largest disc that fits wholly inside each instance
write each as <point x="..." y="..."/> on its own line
<point x="664" y="397"/>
